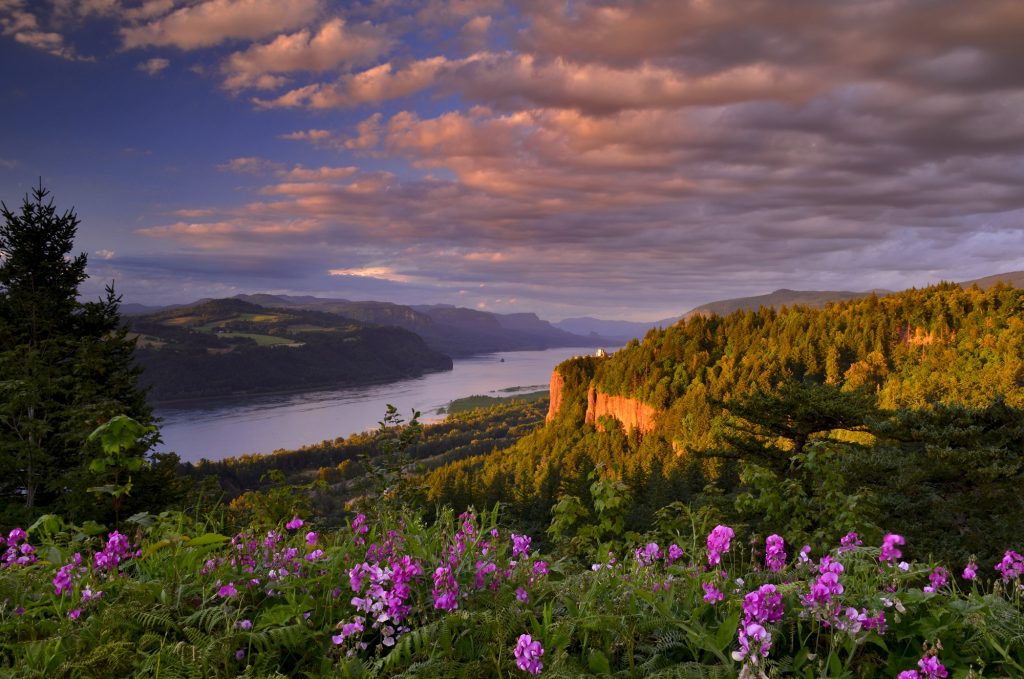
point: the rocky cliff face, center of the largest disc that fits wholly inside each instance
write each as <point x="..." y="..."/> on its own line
<point x="629" y="411"/>
<point x="557" y="387"/>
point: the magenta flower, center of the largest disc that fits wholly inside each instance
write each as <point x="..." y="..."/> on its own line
<point x="311" y="538"/>
<point x="647" y="554"/>
<point x="763" y="605"/>
<point x="674" y="553"/>
<point x="937" y="579"/>
<point x="755" y="643"/>
<point x="890" y="552"/>
<point x="522" y="595"/>
<point x="295" y="524"/>
<point x="116" y="550"/>
<point x="244" y="624"/>
<point x="520" y="545"/>
<point x="712" y="594"/>
<point x="718" y="543"/>
<point x="775" y="553"/>
<point x="528" y="654"/>
<point x="849" y="542"/>
<point x="970" y="571"/>
<point x="75" y="613"/>
<point x="1011" y="567"/>
<point x="446" y="590"/>
<point x="227" y="591"/>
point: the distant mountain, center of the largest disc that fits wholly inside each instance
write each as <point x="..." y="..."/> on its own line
<point x="231" y="347"/>
<point x="619" y="332"/>
<point x="132" y="309"/>
<point x="455" y="331"/>
<point x="816" y="299"/>
<point x="1011" y="278"/>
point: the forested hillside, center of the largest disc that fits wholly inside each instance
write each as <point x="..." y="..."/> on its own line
<point x="230" y="347"/>
<point x="878" y="410"/>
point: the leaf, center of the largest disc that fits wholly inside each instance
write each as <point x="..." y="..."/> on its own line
<point x="727" y="632"/>
<point x="208" y="539"/>
<point x="598" y="663"/>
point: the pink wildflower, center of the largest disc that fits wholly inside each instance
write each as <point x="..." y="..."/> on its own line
<point x="718" y="543"/>
<point x="528" y="653"/>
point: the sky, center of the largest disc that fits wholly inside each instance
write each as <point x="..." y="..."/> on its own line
<point x="624" y="160"/>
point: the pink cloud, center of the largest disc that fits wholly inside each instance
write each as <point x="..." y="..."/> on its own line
<point x="334" y="45"/>
<point x="212" y="22"/>
<point x="371" y="86"/>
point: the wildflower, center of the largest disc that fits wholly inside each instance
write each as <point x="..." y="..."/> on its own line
<point x="827" y="585"/>
<point x="520" y="545"/>
<point x="359" y="528"/>
<point x="937" y="579"/>
<point x="712" y="594"/>
<point x="446" y="590"/>
<point x="295" y="524"/>
<point x="88" y="594"/>
<point x="21" y="554"/>
<point x="718" y="543"/>
<point x="970" y="571"/>
<point x="522" y="595"/>
<point x="804" y="556"/>
<point x="62" y="581"/>
<point x="763" y="605"/>
<point x="116" y="550"/>
<point x="647" y="554"/>
<point x="755" y="643"/>
<point x="890" y="551"/>
<point x="227" y="591"/>
<point x="674" y="553"/>
<point x="244" y="624"/>
<point x="540" y="568"/>
<point x="239" y="654"/>
<point x="75" y="613"/>
<point x="849" y="542"/>
<point x="1011" y="567"/>
<point x="311" y="538"/>
<point x="528" y="653"/>
<point x="775" y="553"/>
<point x="928" y="667"/>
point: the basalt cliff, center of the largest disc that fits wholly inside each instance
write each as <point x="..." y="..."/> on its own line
<point x="633" y="414"/>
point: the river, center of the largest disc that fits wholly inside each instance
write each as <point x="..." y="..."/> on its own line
<point x="262" y="424"/>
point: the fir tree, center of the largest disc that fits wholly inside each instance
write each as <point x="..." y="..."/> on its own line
<point x="65" y="366"/>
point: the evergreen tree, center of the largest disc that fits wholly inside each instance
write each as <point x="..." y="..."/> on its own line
<point x="65" y="366"/>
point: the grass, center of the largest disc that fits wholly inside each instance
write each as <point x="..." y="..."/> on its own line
<point x="461" y="405"/>
<point x="262" y="340"/>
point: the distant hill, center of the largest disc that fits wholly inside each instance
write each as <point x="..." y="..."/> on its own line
<point x="230" y="347"/>
<point x="455" y="331"/>
<point x="816" y="299"/>
<point x="1011" y="278"/>
<point x="619" y="332"/>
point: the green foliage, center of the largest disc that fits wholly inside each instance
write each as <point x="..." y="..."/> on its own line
<point x="65" y="366"/>
<point x="123" y="443"/>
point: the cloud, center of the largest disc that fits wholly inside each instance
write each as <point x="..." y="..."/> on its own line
<point x="154" y="65"/>
<point x="105" y="254"/>
<point x="375" y="85"/>
<point x="17" y="22"/>
<point x="313" y="135"/>
<point x="381" y="272"/>
<point x="647" y="155"/>
<point x="249" y="165"/>
<point x="334" y="45"/>
<point x="8" y="163"/>
<point x="211" y="22"/>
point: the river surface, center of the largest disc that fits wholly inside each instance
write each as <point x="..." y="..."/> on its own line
<point x="262" y="424"/>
